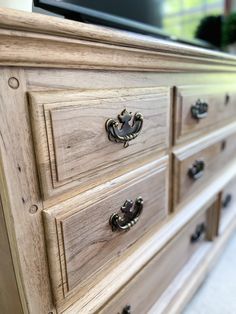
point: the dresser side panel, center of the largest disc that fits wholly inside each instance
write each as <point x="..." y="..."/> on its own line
<point x="9" y="294"/>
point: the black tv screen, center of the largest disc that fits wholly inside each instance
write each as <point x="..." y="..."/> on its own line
<point x="171" y="19"/>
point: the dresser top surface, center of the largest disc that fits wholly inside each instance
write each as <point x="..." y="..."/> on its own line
<point x="34" y="26"/>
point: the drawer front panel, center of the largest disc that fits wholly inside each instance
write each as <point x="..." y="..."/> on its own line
<point x="75" y="149"/>
<point x="192" y="118"/>
<point x="229" y="195"/>
<point x="193" y="170"/>
<point x="228" y="201"/>
<point x="147" y="286"/>
<point x="87" y="242"/>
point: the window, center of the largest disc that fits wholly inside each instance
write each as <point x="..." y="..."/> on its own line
<point x="182" y="17"/>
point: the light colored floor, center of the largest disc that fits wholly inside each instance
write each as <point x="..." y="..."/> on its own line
<point x="217" y="295"/>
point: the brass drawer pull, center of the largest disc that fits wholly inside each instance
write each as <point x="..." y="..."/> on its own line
<point x="227" y="200"/>
<point x="130" y="216"/>
<point x="199" y="110"/>
<point x="227" y="98"/>
<point x="197" y="170"/>
<point x="200" y="230"/>
<point x="127" y="309"/>
<point x="126" y="132"/>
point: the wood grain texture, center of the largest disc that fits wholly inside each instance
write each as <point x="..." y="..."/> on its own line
<point x="213" y="215"/>
<point x="39" y="79"/>
<point x="68" y="44"/>
<point x="86" y="241"/>
<point x="163" y="304"/>
<point x="220" y="111"/>
<point x="37" y="23"/>
<point x="145" y="288"/>
<point x="58" y="63"/>
<point x="193" y="275"/>
<point x="9" y="295"/>
<point x="213" y="151"/>
<point x="19" y="191"/>
<point x="94" y="295"/>
<point x="72" y="145"/>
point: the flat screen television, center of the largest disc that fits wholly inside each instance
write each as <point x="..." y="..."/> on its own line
<point x="170" y="19"/>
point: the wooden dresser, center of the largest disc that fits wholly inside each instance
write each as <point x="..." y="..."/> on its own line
<point x="118" y="168"/>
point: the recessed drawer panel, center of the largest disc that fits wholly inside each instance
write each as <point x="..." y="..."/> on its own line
<point x="201" y="108"/>
<point x="195" y="166"/>
<point x="83" y="138"/>
<point x="146" y="287"/>
<point x="93" y="229"/>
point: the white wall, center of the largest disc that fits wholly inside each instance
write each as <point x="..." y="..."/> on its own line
<point x="25" y="5"/>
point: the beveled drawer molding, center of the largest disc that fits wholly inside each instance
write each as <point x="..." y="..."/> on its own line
<point x="87" y="243"/>
<point x="195" y="166"/>
<point x="72" y="145"/>
<point x="145" y="288"/>
<point x="201" y="108"/>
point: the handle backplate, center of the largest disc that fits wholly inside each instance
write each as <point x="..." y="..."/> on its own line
<point x="131" y="213"/>
<point x="197" y="170"/>
<point x="126" y="132"/>
<point x="199" y="110"/>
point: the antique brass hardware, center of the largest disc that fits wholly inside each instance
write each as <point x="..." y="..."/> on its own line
<point x="126" y="132"/>
<point x="131" y="213"/>
<point x="227" y="99"/>
<point x="227" y="200"/>
<point x="127" y="309"/>
<point x="200" y="230"/>
<point x="223" y="145"/>
<point x="197" y="169"/>
<point x="199" y="110"/>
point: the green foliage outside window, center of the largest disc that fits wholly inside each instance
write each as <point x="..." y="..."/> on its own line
<point x="182" y="17"/>
<point x="229" y="30"/>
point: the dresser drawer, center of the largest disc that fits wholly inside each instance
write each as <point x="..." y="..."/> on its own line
<point x="147" y="286"/>
<point x="201" y="108"/>
<point x="83" y="138"/>
<point x="228" y="203"/>
<point x="92" y="235"/>
<point x="195" y="166"/>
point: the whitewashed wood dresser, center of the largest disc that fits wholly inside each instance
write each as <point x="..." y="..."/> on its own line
<point x="118" y="167"/>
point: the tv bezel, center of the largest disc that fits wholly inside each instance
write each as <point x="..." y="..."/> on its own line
<point x="86" y="15"/>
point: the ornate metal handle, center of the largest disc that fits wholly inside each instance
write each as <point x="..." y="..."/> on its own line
<point x="130" y="216"/>
<point x="199" y="110"/>
<point x="126" y="132"/>
<point x="227" y="200"/>
<point x="127" y="309"/>
<point x="197" y="170"/>
<point x="200" y="229"/>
